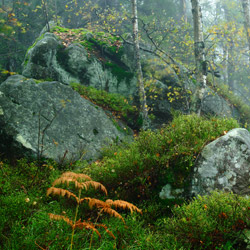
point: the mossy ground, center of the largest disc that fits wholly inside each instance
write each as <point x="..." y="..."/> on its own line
<point x="134" y="172"/>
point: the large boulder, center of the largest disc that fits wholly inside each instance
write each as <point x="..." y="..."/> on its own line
<point x="51" y="58"/>
<point x="224" y="164"/>
<point x="45" y="58"/>
<point x="51" y="120"/>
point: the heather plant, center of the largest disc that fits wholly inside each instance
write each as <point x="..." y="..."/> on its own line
<point x="82" y="182"/>
<point x="216" y="221"/>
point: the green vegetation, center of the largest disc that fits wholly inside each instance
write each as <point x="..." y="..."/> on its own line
<point x="119" y="72"/>
<point x="116" y="103"/>
<point x="92" y="41"/>
<point x="157" y="157"/>
<point x="218" y="221"/>
<point x="134" y="172"/>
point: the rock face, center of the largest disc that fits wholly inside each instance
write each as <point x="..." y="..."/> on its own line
<point x="109" y="66"/>
<point x="50" y="59"/>
<point x="50" y="119"/>
<point x="224" y="164"/>
<point x="214" y="104"/>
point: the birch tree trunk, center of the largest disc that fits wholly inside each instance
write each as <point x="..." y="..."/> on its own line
<point x="230" y="51"/>
<point x="183" y="4"/>
<point x="245" y="8"/>
<point x="199" y="52"/>
<point x="138" y="70"/>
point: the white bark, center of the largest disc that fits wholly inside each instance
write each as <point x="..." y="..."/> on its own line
<point x="199" y="51"/>
<point x="138" y="70"/>
<point x="245" y="8"/>
<point x="183" y="4"/>
<point x="230" y="69"/>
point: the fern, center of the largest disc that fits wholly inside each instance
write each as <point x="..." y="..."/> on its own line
<point x="82" y="182"/>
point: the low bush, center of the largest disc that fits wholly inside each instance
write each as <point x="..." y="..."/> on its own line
<point x="155" y="158"/>
<point x="217" y="221"/>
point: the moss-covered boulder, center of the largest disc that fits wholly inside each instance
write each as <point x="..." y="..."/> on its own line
<point x="105" y="62"/>
<point x="71" y="56"/>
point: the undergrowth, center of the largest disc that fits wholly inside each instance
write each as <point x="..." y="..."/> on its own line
<point x="133" y="172"/>
<point x="155" y="158"/>
<point x="218" y="221"/>
<point x="81" y="183"/>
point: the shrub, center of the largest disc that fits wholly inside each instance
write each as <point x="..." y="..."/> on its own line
<point x="158" y="157"/>
<point x="217" y="221"/>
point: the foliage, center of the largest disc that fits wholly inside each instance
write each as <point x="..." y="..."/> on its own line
<point x="90" y="40"/>
<point x="217" y="221"/>
<point x="119" y="72"/>
<point x="24" y="210"/>
<point x="116" y="103"/>
<point x="21" y="193"/>
<point x="158" y="157"/>
<point x="83" y="182"/>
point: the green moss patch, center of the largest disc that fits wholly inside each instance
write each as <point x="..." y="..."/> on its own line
<point x="119" y="72"/>
<point x="117" y="104"/>
<point x="90" y="40"/>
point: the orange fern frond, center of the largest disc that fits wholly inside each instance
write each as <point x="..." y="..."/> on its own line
<point x="94" y="202"/>
<point x="76" y="176"/>
<point x="68" y="177"/>
<point x="61" y="192"/>
<point x="112" y="212"/>
<point x="124" y="205"/>
<point x="87" y="225"/>
<point x="106" y="229"/>
<point x="60" y="217"/>
<point x="95" y="185"/>
<point x="62" y="180"/>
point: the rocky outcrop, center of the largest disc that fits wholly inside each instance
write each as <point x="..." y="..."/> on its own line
<point x="214" y="104"/>
<point x="53" y="58"/>
<point x="51" y="119"/>
<point x="50" y="58"/>
<point x="104" y="62"/>
<point x="223" y="164"/>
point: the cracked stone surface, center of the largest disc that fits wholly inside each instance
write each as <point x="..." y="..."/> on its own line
<point x="51" y="118"/>
<point x="224" y="164"/>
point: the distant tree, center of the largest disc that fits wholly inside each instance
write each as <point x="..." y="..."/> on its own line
<point x="138" y="69"/>
<point x="199" y="52"/>
<point x="245" y="8"/>
<point x="183" y="5"/>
